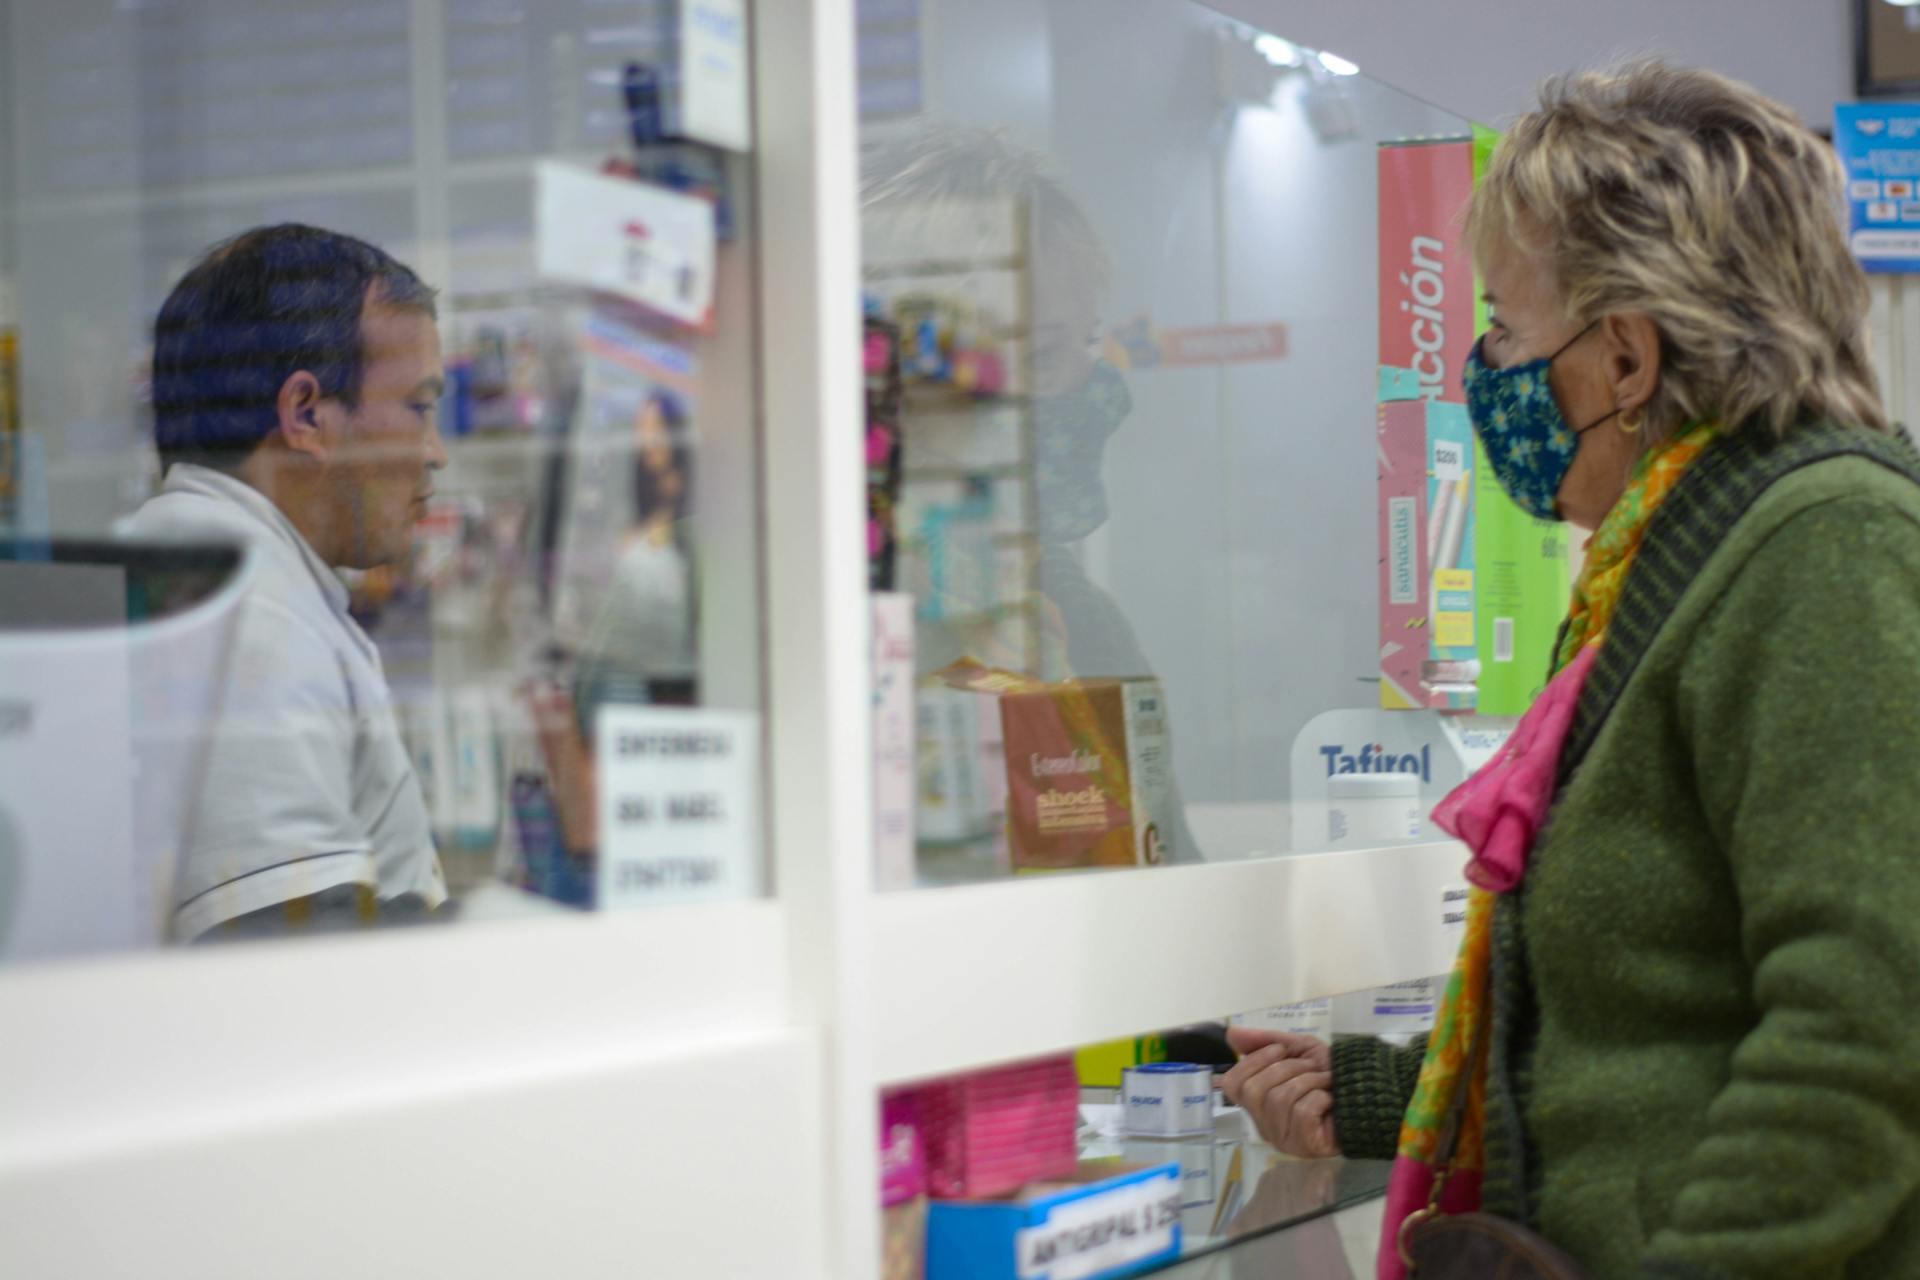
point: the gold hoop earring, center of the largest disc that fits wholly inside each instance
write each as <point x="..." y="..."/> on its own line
<point x="1631" y="422"/>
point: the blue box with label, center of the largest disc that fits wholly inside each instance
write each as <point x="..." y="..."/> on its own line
<point x="1107" y="1222"/>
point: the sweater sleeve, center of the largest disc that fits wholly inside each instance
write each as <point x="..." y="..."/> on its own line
<point x="1799" y="706"/>
<point x="1373" y="1082"/>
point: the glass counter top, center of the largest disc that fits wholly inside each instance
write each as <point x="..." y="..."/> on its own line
<point x="1248" y="1209"/>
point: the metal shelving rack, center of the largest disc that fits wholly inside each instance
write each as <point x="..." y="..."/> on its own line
<point x="925" y="404"/>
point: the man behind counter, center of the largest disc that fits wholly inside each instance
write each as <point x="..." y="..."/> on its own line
<point x="296" y="374"/>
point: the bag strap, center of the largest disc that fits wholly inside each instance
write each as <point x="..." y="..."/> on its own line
<point x="1689" y="527"/>
<point x="1449" y="1144"/>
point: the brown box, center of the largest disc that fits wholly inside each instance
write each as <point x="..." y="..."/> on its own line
<point x="1088" y="764"/>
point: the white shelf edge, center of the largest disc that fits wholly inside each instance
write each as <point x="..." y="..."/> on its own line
<point x="990" y="973"/>
<point x="148" y="1047"/>
<point x="641" y="1147"/>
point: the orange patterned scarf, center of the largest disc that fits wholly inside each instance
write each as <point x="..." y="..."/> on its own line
<point x="1461" y="1021"/>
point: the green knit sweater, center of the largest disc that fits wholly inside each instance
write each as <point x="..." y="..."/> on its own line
<point x="1706" y="1050"/>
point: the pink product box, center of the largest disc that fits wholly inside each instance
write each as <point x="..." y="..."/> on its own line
<point x="903" y="1153"/>
<point x="992" y="1132"/>
<point x="903" y="1188"/>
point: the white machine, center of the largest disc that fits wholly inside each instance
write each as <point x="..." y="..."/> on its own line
<point x="110" y="663"/>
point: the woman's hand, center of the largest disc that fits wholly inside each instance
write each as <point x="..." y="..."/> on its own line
<point x="1285" y="1082"/>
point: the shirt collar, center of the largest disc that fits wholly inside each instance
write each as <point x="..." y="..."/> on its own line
<point x="188" y="477"/>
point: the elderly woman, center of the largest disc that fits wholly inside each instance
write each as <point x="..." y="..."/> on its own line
<point x="1682" y="1036"/>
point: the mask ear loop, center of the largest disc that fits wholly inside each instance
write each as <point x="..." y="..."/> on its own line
<point x="1570" y="341"/>
<point x="1630" y="430"/>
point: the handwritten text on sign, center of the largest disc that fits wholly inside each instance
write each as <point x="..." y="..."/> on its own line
<point x="679" y="805"/>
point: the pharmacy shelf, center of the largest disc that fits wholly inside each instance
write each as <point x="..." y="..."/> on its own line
<point x="989" y="973"/>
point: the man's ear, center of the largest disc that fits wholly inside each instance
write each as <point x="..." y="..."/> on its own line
<point x="304" y="416"/>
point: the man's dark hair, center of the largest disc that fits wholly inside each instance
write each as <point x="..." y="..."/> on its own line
<point x="249" y="315"/>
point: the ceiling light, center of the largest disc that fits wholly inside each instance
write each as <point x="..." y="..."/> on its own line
<point x="1285" y="53"/>
<point x="1339" y="66"/>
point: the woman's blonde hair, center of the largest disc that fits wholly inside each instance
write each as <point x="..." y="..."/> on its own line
<point x="1714" y="210"/>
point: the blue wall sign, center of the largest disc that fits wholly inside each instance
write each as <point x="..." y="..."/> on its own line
<point x="1879" y="144"/>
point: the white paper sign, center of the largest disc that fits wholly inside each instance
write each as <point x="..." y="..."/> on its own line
<point x="679" y="805"/>
<point x="1101" y="1233"/>
<point x="639" y="241"/>
<point x="713" y="73"/>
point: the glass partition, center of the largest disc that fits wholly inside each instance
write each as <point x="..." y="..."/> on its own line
<point x="443" y="313"/>
<point x="1133" y="455"/>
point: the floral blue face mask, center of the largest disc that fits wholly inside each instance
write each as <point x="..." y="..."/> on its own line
<point x="1527" y="438"/>
<point x="1070" y="433"/>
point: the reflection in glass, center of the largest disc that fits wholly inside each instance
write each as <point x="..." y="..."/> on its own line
<point x="296" y="378"/>
<point x="486" y="509"/>
<point x="1129" y="271"/>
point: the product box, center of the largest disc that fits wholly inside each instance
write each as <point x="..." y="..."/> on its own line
<point x="1430" y="316"/>
<point x="1428" y="650"/>
<point x="1524" y="584"/>
<point x="1428" y="646"/>
<point x="1098" y="1222"/>
<point x="1426" y="270"/>
<point x="903" y="1188"/>
<point x="1089" y="773"/>
<point x="1167" y="1100"/>
<point x="1103" y="1066"/>
<point x="895" y="739"/>
<point x="950" y="796"/>
<point x="991" y="1132"/>
<point x="962" y="762"/>
<point x="1086" y="765"/>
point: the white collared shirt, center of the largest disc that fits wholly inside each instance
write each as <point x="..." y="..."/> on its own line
<point x="308" y="785"/>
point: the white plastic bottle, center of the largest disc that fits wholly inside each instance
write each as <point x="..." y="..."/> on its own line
<point x="1373" y="808"/>
<point x="476" y="770"/>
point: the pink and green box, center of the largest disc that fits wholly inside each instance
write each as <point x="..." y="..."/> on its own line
<point x="1471" y="587"/>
